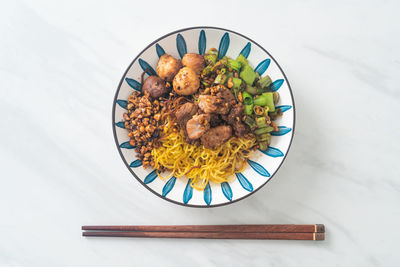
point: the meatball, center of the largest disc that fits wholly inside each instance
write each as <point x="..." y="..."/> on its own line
<point x="194" y="61"/>
<point x="168" y="67"/>
<point x="186" y="82"/>
<point x="155" y="86"/>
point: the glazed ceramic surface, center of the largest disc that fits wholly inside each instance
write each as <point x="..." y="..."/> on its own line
<point x="260" y="167"/>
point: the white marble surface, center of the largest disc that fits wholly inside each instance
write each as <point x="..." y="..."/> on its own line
<point x="60" y="64"/>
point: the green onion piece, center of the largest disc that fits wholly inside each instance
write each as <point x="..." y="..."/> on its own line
<point x="248" y="109"/>
<point x="212" y="51"/>
<point x="207" y="71"/>
<point x="220" y="79"/>
<point x="235" y="92"/>
<point x="247" y="98"/>
<point x="205" y="83"/>
<point x="261" y="122"/>
<point x="261" y="100"/>
<point x="250" y="122"/>
<point x="211" y="56"/>
<point x="263" y="130"/>
<point x="258" y="110"/>
<point x="242" y="60"/>
<point x="223" y="70"/>
<point x="263" y="145"/>
<point x="236" y="82"/>
<point x="269" y="97"/>
<point x="234" y="64"/>
<point x="251" y="90"/>
<point x="264" y="82"/>
<point x="263" y="137"/>
<point x="210" y="59"/>
<point x="222" y="63"/>
<point x="248" y="75"/>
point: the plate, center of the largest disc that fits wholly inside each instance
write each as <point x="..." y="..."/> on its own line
<point x="262" y="165"/>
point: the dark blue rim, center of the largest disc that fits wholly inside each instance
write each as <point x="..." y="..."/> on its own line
<point x="115" y="133"/>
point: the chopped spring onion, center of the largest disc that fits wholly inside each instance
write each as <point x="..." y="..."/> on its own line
<point x="234" y="64"/>
<point x="242" y="60"/>
<point x="261" y="100"/>
<point x="264" y="83"/>
<point x="250" y="122"/>
<point x="247" y="98"/>
<point x="261" y="122"/>
<point x="220" y="79"/>
<point x="248" y="109"/>
<point x="211" y="56"/>
<point x="263" y="137"/>
<point x="263" y="130"/>
<point x="269" y="101"/>
<point x="248" y="75"/>
<point x="263" y="145"/>
<point x="251" y="90"/>
<point x="236" y="82"/>
<point x="260" y="111"/>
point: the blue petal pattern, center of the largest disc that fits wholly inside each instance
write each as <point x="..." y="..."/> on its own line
<point x="258" y="168"/>
<point x="246" y="50"/>
<point x="284" y="107"/>
<point x="223" y="45"/>
<point x="181" y="45"/>
<point x="120" y="124"/>
<point x="150" y="177"/>
<point x="276" y="85"/>
<point x="122" y="103"/>
<point x="272" y="152"/>
<point x="168" y="186"/>
<point x="135" y="163"/>
<point x="126" y="145"/>
<point x="226" y="189"/>
<point x="282" y="131"/>
<point x="160" y="51"/>
<point x="262" y="66"/>
<point x="144" y="65"/>
<point x="188" y="193"/>
<point x="244" y="182"/>
<point x="207" y="194"/>
<point x="202" y="42"/>
<point x="134" y="84"/>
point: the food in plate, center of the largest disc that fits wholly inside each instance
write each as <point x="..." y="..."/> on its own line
<point x="201" y="117"/>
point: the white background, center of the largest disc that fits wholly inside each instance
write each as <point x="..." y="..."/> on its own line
<point x="60" y="64"/>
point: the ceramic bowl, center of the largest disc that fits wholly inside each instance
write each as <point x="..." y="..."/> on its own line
<point x="260" y="168"/>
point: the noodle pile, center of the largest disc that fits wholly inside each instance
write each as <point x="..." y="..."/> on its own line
<point x="200" y="164"/>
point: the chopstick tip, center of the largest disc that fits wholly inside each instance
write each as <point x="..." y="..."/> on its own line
<point x="319" y="236"/>
<point x="320" y="228"/>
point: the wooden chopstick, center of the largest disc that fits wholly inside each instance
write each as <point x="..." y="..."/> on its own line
<point x="246" y="228"/>
<point x="212" y="235"/>
<point x="250" y="231"/>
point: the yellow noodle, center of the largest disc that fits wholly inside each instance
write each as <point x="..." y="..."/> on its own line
<point x="216" y="165"/>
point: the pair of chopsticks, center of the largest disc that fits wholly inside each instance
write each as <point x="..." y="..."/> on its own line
<point x="249" y="231"/>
